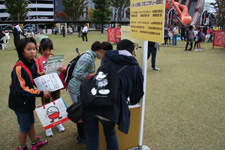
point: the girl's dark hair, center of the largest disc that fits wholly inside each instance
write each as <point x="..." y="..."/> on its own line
<point x="101" y="45"/>
<point x="190" y="27"/>
<point x="126" y="45"/>
<point x="44" y="44"/>
<point x="22" y="44"/>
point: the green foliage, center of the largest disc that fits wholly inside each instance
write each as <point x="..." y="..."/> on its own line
<point x="102" y="13"/>
<point x="219" y="6"/>
<point x="120" y="5"/>
<point x="17" y="9"/>
<point x="75" y="8"/>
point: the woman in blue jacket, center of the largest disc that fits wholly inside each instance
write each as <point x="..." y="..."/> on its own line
<point x="131" y="85"/>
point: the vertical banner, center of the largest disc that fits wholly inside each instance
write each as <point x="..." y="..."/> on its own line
<point x="219" y="38"/>
<point x="147" y="20"/>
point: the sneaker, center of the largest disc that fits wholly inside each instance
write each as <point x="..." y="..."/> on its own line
<point x="200" y="49"/>
<point x="80" y="140"/>
<point x="60" y="128"/>
<point x="23" y="147"/>
<point x="156" y="69"/>
<point x="39" y="143"/>
<point x="49" y="132"/>
<point x="196" y="50"/>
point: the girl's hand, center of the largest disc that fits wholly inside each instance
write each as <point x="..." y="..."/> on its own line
<point x="43" y="72"/>
<point x="46" y="94"/>
<point x="61" y="69"/>
<point x="93" y="74"/>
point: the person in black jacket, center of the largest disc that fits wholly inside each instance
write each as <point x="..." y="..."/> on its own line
<point x="16" y="34"/>
<point x="22" y="93"/>
<point x="152" y="49"/>
<point x="130" y="85"/>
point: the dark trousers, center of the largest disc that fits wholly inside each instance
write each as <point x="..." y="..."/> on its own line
<point x="16" y="40"/>
<point x="55" y="95"/>
<point x="153" y="51"/>
<point x="165" y="40"/>
<point x="92" y="131"/>
<point x="84" y="35"/>
<point x="191" y="43"/>
<point x="182" y="36"/>
<point x="210" y="39"/>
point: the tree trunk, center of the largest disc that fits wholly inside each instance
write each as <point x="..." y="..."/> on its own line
<point x="102" y="28"/>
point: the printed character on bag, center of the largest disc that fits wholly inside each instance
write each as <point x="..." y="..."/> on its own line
<point x="52" y="114"/>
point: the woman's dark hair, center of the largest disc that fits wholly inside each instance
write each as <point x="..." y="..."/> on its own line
<point x="44" y="44"/>
<point x="126" y="45"/>
<point x="101" y="45"/>
<point x="22" y="44"/>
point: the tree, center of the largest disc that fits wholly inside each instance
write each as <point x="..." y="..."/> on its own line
<point x="90" y="14"/>
<point x="62" y="15"/>
<point x="120" y="5"/>
<point x="75" y="8"/>
<point x="17" y="9"/>
<point x="219" y="6"/>
<point x="102" y="13"/>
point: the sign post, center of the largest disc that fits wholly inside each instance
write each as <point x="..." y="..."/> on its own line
<point x="146" y="23"/>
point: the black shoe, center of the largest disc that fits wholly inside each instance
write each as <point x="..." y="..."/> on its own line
<point x="80" y="140"/>
<point x="189" y="49"/>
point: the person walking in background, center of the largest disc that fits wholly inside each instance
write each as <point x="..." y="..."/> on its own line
<point x="70" y="31"/>
<point x="56" y="30"/>
<point x="22" y="93"/>
<point x="79" y="30"/>
<point x="130" y="85"/>
<point x="189" y="37"/>
<point x="84" y="69"/>
<point x="175" y="34"/>
<point x="204" y="31"/>
<point x="211" y="35"/>
<point x="199" y="39"/>
<point x="195" y="34"/>
<point x="63" y="31"/>
<point x="16" y="34"/>
<point x="84" y="32"/>
<point x="45" y="49"/>
<point x="166" y="31"/>
<point x="170" y="34"/>
<point x="152" y="49"/>
<point x="182" y="37"/>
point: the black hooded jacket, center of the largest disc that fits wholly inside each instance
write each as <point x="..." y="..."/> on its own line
<point x="131" y="85"/>
<point x="22" y="93"/>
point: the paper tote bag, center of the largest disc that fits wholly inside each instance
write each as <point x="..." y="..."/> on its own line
<point x="52" y="114"/>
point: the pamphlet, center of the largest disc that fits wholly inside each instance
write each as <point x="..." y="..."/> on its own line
<point x="54" y="62"/>
<point x="49" y="82"/>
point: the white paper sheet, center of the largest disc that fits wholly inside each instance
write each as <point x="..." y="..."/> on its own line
<point x="54" y="62"/>
<point x="49" y="82"/>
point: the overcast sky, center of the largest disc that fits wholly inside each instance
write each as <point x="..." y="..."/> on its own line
<point x="209" y="0"/>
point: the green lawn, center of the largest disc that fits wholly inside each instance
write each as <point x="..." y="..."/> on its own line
<point x="184" y="100"/>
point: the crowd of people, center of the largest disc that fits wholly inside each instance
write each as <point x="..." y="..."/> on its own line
<point x="190" y="34"/>
<point x="22" y="92"/>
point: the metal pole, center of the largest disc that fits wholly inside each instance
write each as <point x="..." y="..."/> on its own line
<point x="143" y="98"/>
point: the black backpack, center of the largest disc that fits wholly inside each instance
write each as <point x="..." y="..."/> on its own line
<point x="101" y="90"/>
<point x="70" y="67"/>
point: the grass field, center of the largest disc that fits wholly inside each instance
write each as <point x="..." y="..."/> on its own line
<point x="185" y="104"/>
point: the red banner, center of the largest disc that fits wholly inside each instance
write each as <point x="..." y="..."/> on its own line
<point x="219" y="38"/>
<point x="114" y="35"/>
